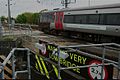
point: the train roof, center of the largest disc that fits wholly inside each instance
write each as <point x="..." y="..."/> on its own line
<point x="87" y="8"/>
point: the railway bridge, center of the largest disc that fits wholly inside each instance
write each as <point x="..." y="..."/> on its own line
<point x="55" y="57"/>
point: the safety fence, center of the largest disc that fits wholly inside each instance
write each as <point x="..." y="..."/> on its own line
<point x="11" y="57"/>
<point x="89" y="66"/>
<point x="70" y="58"/>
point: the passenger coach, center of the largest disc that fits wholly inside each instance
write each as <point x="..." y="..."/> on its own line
<point x="94" y="23"/>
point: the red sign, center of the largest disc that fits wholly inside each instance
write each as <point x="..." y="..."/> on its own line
<point x="97" y="72"/>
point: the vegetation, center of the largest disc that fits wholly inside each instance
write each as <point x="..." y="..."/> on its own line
<point x="7" y="38"/>
<point x="27" y="17"/>
<point x="3" y="18"/>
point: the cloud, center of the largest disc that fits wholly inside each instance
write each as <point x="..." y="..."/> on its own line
<point x="20" y="6"/>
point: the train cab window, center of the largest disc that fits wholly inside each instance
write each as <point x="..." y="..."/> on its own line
<point x="44" y="18"/>
<point x="93" y="19"/>
<point x="80" y="19"/>
<point x="113" y="19"/>
<point x="41" y="18"/>
<point x="68" y="19"/>
<point x="51" y="17"/>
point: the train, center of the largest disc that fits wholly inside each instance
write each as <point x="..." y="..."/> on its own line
<point x="94" y="23"/>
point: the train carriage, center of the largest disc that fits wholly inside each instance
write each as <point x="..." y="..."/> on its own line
<point x="94" y="23"/>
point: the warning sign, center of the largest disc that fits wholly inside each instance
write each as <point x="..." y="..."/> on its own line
<point x="97" y="72"/>
<point x="41" y="47"/>
<point x="69" y="58"/>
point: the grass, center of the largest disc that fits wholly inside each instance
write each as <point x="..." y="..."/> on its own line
<point x="7" y="38"/>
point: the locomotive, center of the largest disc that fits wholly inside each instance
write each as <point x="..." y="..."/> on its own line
<point x="95" y="23"/>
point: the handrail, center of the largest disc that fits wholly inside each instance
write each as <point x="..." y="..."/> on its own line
<point x="90" y="45"/>
<point x="8" y="57"/>
<point x="11" y="55"/>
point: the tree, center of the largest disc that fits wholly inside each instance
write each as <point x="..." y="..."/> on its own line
<point x="21" y="19"/>
<point x="35" y="18"/>
<point x="27" y="17"/>
<point x="3" y="18"/>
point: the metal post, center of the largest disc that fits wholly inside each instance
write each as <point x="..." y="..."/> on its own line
<point x="9" y="15"/>
<point x="29" y="69"/>
<point x="58" y="48"/>
<point x="66" y="3"/>
<point x="103" y="57"/>
<point x="118" y="67"/>
<point x="13" y="66"/>
<point x="3" y="74"/>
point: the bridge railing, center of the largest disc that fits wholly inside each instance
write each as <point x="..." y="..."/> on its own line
<point x="104" y="61"/>
<point x="109" y="62"/>
<point x="12" y="56"/>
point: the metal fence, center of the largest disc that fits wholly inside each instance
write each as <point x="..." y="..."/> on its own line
<point x="104" y="60"/>
<point x="12" y="57"/>
<point x="109" y="62"/>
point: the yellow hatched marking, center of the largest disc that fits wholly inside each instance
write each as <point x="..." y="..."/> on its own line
<point x="39" y="65"/>
<point x="56" y="71"/>
<point x="47" y="74"/>
<point x="36" y="66"/>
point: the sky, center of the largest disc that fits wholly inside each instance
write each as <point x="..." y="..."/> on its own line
<point x="21" y="6"/>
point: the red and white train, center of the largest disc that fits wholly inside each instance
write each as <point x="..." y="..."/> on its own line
<point x="94" y="23"/>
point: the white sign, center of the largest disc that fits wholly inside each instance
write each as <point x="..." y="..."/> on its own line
<point x="63" y="54"/>
<point x="42" y="47"/>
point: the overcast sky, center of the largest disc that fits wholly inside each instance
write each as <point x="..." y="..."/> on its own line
<point x="20" y="6"/>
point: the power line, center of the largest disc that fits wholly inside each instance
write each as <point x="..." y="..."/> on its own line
<point x="63" y="2"/>
<point x="66" y="2"/>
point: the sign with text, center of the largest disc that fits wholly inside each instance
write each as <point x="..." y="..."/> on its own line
<point x="73" y="59"/>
